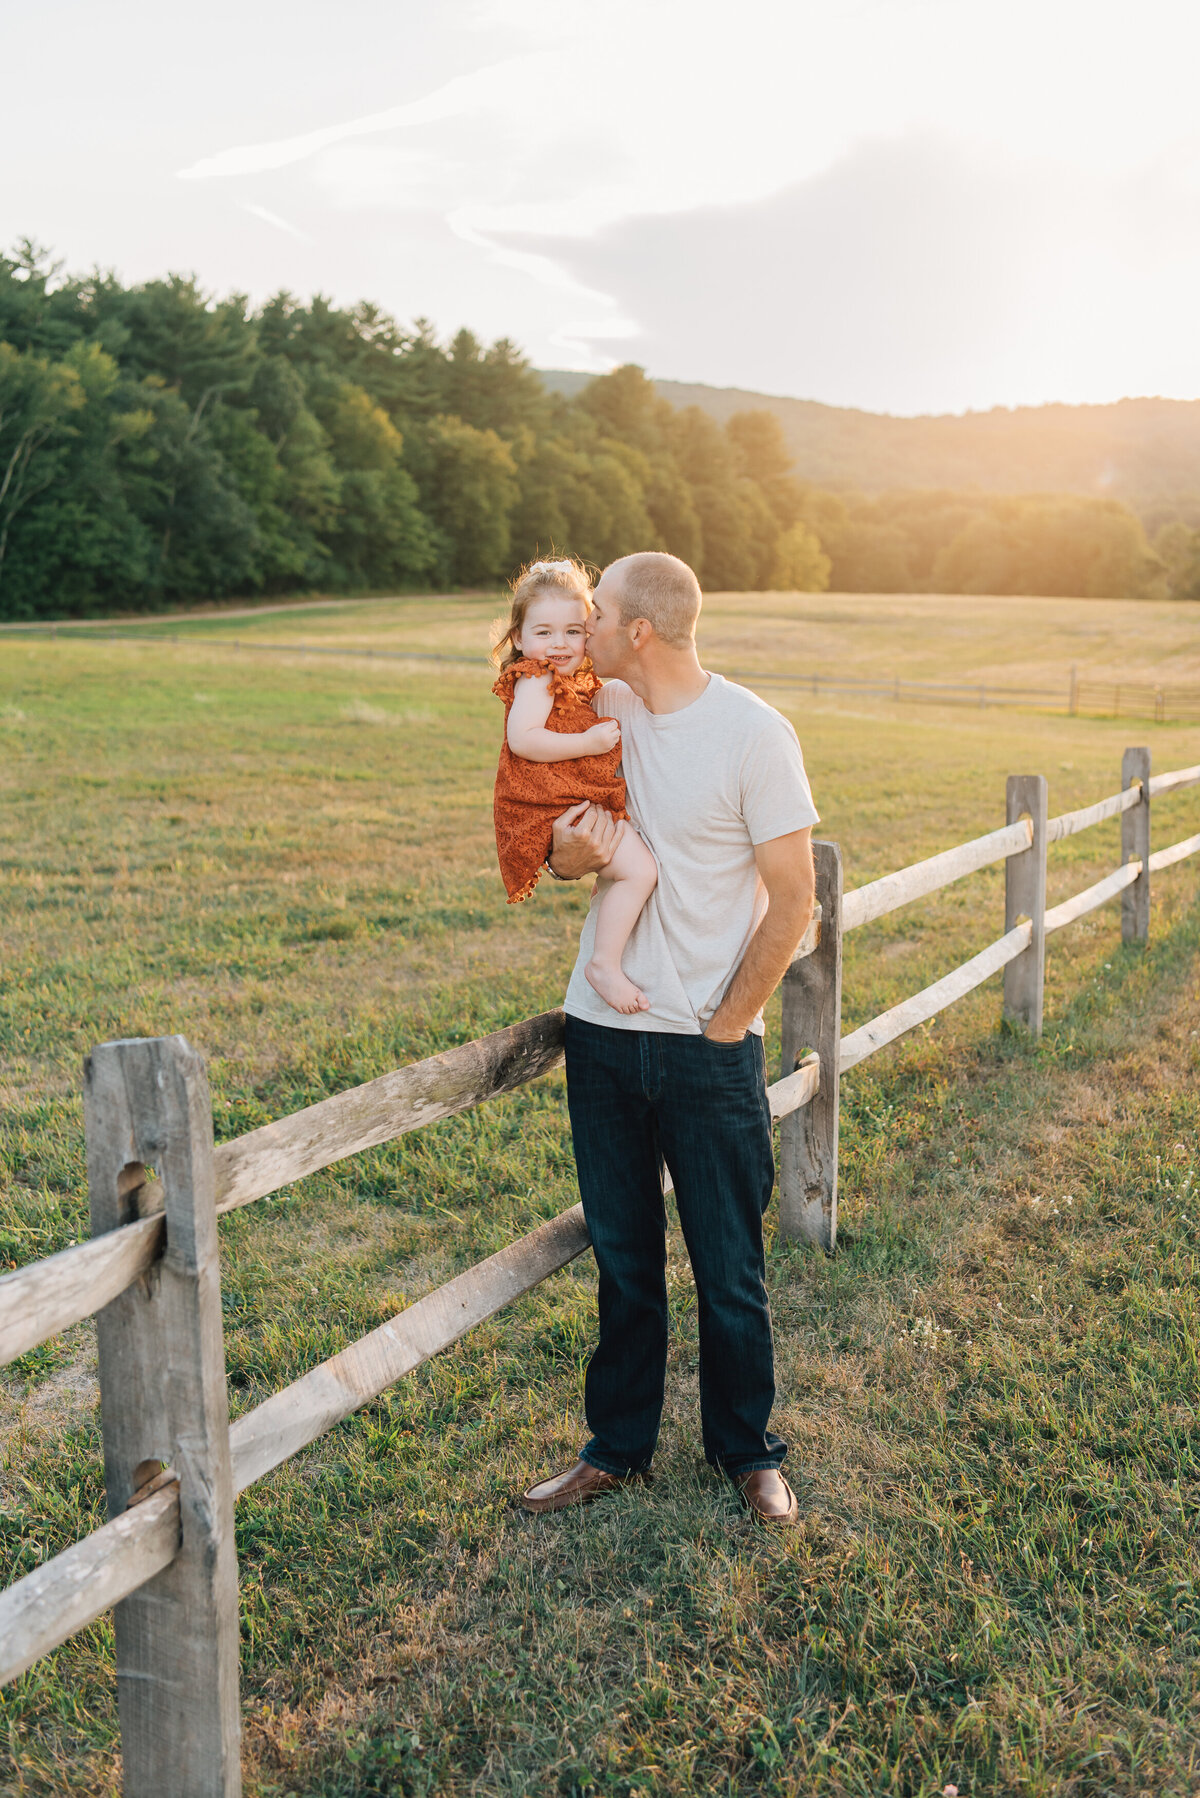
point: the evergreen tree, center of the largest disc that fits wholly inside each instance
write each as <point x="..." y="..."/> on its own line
<point x="468" y="489"/>
<point x="158" y="443"/>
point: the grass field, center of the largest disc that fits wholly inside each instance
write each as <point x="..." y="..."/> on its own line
<point x="949" y="637"/>
<point x="990" y="1391"/>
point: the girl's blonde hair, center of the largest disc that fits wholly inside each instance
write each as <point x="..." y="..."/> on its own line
<point x="565" y="575"/>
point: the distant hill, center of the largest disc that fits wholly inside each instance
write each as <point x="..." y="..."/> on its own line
<point x="1143" y="451"/>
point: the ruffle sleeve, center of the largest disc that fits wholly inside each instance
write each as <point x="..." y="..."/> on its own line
<point x="563" y="687"/>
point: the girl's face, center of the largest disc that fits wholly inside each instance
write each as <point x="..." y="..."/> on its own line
<point x="555" y="631"/>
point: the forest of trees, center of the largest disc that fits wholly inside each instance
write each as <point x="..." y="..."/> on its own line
<point x="158" y="445"/>
<point x="1144" y="452"/>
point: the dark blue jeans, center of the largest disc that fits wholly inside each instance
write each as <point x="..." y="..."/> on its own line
<point x="639" y="1098"/>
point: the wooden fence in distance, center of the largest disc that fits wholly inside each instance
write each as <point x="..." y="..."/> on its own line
<point x="1088" y="698"/>
<point x="173" y="1464"/>
<point x="1150" y="700"/>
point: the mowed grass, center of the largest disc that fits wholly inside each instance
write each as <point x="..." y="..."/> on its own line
<point x="989" y="1391"/>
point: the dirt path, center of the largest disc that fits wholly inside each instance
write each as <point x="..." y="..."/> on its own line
<point x="187" y="614"/>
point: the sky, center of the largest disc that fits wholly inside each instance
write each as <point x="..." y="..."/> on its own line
<point x="901" y="205"/>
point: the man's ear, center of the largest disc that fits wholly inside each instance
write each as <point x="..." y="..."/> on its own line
<point x="640" y="632"/>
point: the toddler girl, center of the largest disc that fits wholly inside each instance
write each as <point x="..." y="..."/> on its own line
<point x="556" y="753"/>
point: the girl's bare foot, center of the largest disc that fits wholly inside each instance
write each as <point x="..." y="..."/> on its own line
<point x="614" y="988"/>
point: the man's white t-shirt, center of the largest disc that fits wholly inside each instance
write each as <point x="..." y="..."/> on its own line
<point x="705" y="786"/>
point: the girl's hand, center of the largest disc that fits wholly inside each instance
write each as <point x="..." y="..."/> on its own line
<point x="602" y="737"/>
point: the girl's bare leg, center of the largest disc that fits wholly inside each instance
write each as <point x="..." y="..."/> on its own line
<point x="634" y="876"/>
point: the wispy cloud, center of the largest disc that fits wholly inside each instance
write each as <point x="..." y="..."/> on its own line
<point x="273" y="218"/>
<point x="568" y="195"/>
<point x="578" y="338"/>
<point x="466" y="93"/>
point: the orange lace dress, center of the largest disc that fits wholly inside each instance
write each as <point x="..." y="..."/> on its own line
<point x="531" y="795"/>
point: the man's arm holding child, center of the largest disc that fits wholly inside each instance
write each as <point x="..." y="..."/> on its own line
<point x="583" y="841"/>
<point x="785" y="866"/>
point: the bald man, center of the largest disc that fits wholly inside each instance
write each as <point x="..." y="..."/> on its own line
<point x="717" y="788"/>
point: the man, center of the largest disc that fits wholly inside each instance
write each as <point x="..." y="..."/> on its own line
<point x="717" y="787"/>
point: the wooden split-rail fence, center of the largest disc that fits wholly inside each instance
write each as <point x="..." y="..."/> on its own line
<point x="173" y="1463"/>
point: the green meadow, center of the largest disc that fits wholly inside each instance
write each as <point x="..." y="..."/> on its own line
<point x="990" y="1391"/>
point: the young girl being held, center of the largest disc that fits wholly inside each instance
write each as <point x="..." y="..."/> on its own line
<point x="556" y="753"/>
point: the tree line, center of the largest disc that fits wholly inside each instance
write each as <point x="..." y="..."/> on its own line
<point x="1145" y="452"/>
<point x="159" y="445"/>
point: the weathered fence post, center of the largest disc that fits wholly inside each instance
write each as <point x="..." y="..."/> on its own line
<point x="163" y="1400"/>
<point x="1025" y="897"/>
<point x="812" y="1019"/>
<point x="1135" y="846"/>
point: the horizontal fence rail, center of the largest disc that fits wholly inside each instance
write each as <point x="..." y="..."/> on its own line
<point x="288" y="1421"/>
<point x="1175" y="782"/>
<point x="1091" y="897"/>
<point x="47" y="1297"/>
<point x="275" y="1155"/>
<point x="1135" y="699"/>
<point x="1103" y="699"/>
<point x="864" y="904"/>
<point x="40" y="1611"/>
<point x="1178" y="852"/>
<point x="39" y="1301"/>
<point x="172" y="1527"/>
<point x="1069" y="824"/>
<point x="926" y="1004"/>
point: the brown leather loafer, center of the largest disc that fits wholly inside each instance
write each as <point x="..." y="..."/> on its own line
<point x="767" y="1496"/>
<point x="579" y="1485"/>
